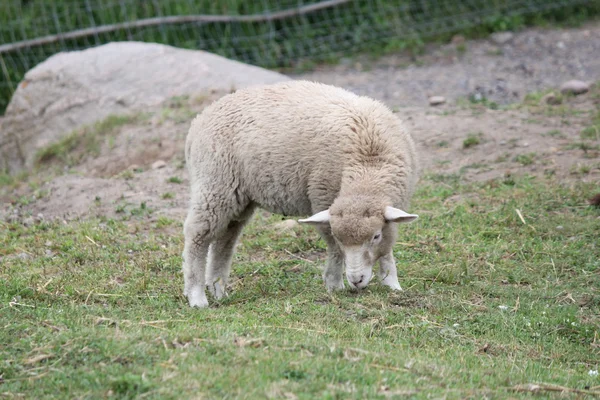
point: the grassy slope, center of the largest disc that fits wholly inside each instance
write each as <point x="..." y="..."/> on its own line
<point x="95" y="308"/>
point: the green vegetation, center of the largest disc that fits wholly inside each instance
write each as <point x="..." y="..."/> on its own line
<point x="585" y="146"/>
<point x="525" y="159"/>
<point x="593" y="131"/>
<point x="472" y="140"/>
<point x="179" y="109"/>
<point x="502" y="289"/>
<point x="581" y="169"/>
<point x="88" y="139"/>
<point x="299" y="42"/>
<point x="175" y="179"/>
<point x="482" y="100"/>
<point x="555" y="133"/>
<point x="535" y="98"/>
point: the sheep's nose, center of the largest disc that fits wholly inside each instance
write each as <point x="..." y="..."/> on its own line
<point x="356" y="280"/>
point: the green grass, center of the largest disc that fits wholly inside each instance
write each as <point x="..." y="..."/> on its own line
<point x="525" y="159"/>
<point x="534" y="98"/>
<point x="472" y="140"/>
<point x="585" y="146"/>
<point x="593" y="131"/>
<point x="94" y="309"/>
<point x="555" y="133"/>
<point x="88" y="139"/>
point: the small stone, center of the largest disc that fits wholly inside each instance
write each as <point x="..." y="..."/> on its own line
<point x="23" y="256"/>
<point x="552" y="99"/>
<point x="560" y="228"/>
<point x="286" y="225"/>
<point x="574" y="87"/>
<point x="40" y="217"/>
<point x="133" y="167"/>
<point x="502" y="142"/>
<point x="560" y="153"/>
<point x="501" y="37"/>
<point x="48" y="243"/>
<point x="28" y="221"/>
<point x="159" y="164"/>
<point x="436" y="100"/>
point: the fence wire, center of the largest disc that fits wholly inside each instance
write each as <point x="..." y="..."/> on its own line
<point x="267" y="33"/>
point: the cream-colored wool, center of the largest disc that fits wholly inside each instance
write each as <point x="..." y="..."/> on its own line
<point x="297" y="148"/>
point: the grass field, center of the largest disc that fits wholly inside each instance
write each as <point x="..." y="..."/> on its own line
<point x="502" y="290"/>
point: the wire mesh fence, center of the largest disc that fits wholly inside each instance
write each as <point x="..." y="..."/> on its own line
<point x="268" y="33"/>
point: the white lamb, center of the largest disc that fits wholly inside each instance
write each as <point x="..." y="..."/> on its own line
<point x="297" y="148"/>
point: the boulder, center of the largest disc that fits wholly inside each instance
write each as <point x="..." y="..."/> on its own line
<point x="574" y="87"/>
<point x="78" y="88"/>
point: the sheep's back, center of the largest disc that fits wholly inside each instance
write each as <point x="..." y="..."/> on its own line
<point x="286" y="145"/>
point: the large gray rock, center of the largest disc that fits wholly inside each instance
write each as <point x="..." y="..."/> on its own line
<point x="77" y="88"/>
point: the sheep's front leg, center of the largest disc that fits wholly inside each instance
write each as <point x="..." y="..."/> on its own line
<point x="334" y="269"/>
<point x="387" y="272"/>
<point x="194" y="260"/>
<point x="220" y="254"/>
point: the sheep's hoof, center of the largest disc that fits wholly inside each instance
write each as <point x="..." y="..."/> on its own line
<point x="197" y="298"/>
<point x="217" y="289"/>
<point x="332" y="287"/>
<point x="392" y="285"/>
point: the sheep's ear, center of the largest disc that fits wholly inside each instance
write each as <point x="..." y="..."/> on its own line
<point x="396" y="215"/>
<point x="319" y="218"/>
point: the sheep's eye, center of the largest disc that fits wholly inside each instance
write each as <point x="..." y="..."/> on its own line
<point x="377" y="236"/>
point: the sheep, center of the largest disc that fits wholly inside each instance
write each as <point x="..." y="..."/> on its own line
<point x="297" y="148"/>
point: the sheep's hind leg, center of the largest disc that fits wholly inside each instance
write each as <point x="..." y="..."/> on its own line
<point x="388" y="275"/>
<point x="221" y="253"/>
<point x="334" y="269"/>
<point x="197" y="241"/>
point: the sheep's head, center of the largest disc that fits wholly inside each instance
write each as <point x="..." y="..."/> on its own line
<point x="364" y="229"/>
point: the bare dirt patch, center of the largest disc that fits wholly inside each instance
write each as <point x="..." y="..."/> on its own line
<point x="499" y="71"/>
